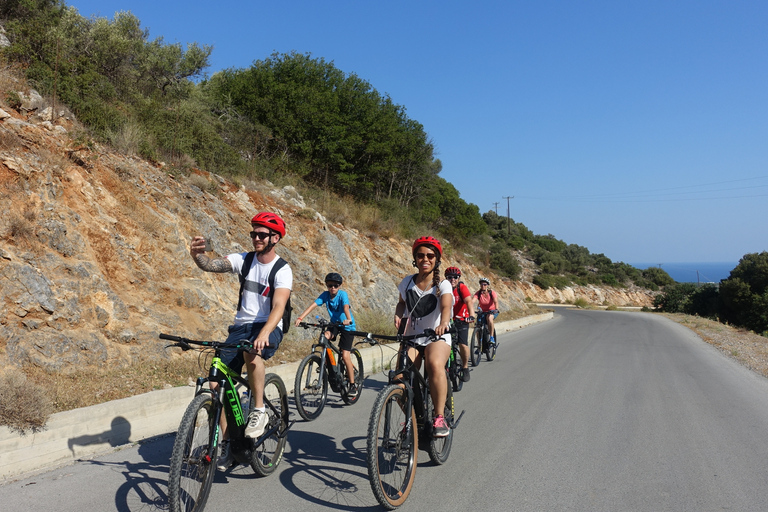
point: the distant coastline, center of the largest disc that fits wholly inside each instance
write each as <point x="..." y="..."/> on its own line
<point x="693" y="272"/>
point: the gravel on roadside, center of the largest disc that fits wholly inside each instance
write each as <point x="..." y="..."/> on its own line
<point x="746" y="347"/>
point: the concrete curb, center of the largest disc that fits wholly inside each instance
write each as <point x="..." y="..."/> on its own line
<point x="89" y="431"/>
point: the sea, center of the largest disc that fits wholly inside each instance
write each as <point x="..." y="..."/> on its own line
<point x="693" y="272"/>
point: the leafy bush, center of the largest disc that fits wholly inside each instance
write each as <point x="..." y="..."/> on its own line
<point x="744" y="295"/>
<point x="503" y="261"/>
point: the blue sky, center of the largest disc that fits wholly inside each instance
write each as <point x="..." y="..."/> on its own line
<point x="638" y="129"/>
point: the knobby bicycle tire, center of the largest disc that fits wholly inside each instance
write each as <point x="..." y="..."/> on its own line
<point x="267" y="455"/>
<point x="357" y="362"/>
<point x="476" y="346"/>
<point x="439" y="448"/>
<point x="392" y="448"/>
<point x="193" y="464"/>
<point x="490" y="348"/>
<point x="454" y="372"/>
<point x="310" y="390"/>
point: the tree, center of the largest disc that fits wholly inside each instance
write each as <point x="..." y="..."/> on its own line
<point x="744" y="295"/>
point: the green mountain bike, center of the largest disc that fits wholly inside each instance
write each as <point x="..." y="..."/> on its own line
<point x="195" y="451"/>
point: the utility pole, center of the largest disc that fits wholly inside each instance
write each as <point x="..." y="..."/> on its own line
<point x="508" y="198"/>
<point x="496" y="208"/>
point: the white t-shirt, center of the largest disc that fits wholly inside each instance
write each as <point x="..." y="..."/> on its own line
<point x="423" y="307"/>
<point x="256" y="302"/>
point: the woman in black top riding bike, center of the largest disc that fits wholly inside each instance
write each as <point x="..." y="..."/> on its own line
<point x="425" y="303"/>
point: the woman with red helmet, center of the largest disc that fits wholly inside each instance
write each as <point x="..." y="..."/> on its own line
<point x="266" y="281"/>
<point x="425" y="303"/>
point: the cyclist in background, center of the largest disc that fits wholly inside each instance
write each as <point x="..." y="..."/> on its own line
<point x="425" y="303"/>
<point x="337" y="302"/>
<point x="259" y="315"/>
<point x="488" y="300"/>
<point x="462" y="316"/>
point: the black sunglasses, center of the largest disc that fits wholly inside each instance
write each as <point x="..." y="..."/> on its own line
<point x="261" y="235"/>
<point x="332" y="285"/>
<point x="450" y="276"/>
<point x="422" y="255"/>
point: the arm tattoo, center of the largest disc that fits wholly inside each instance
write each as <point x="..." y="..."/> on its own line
<point x="219" y="265"/>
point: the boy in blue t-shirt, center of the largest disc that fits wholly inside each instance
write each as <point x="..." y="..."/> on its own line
<point x="337" y="302"/>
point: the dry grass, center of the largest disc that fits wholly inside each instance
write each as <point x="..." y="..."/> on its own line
<point x="100" y="384"/>
<point x="9" y="141"/>
<point x="24" y="405"/>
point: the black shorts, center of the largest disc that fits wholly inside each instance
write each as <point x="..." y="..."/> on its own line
<point x="345" y="340"/>
<point x="462" y="332"/>
<point x="234" y="358"/>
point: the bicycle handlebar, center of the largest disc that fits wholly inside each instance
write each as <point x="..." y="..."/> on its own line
<point x="322" y="322"/>
<point x="373" y="339"/>
<point x="185" y="343"/>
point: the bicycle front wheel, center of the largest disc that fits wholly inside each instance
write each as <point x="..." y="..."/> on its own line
<point x="392" y="447"/>
<point x="193" y="460"/>
<point x="268" y="450"/>
<point x="454" y="372"/>
<point x="475" y="346"/>
<point x="310" y="390"/>
<point x="490" y="348"/>
<point x="357" y="362"/>
<point x="439" y="447"/>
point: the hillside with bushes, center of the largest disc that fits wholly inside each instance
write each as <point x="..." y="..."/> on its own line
<point x="116" y="149"/>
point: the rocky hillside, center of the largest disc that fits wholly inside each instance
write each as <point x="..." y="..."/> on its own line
<point x="93" y="249"/>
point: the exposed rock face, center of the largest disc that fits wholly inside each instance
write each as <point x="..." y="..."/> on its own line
<point x="94" y="258"/>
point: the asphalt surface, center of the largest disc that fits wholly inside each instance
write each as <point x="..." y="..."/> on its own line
<point x="592" y="411"/>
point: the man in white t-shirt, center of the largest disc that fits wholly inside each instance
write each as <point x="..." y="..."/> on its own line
<point x="259" y="315"/>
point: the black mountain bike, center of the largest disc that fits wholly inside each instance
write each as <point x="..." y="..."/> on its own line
<point x="400" y="422"/>
<point x="324" y="366"/>
<point x="481" y="338"/>
<point x="195" y="451"/>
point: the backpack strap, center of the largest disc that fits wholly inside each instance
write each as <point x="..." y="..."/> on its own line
<point x="244" y="272"/>
<point x="280" y="263"/>
<point x="458" y="290"/>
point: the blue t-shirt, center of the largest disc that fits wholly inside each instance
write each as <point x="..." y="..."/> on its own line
<point x="336" y="307"/>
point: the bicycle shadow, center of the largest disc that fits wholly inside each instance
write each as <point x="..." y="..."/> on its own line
<point x="321" y="473"/>
<point x="146" y="482"/>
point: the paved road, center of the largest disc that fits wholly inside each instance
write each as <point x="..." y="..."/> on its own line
<point x="592" y="411"/>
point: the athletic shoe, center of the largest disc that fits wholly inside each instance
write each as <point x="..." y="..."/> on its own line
<point x="465" y="374"/>
<point x="352" y="393"/>
<point x="440" y="427"/>
<point x="257" y="422"/>
<point x="493" y="340"/>
<point x="225" y="457"/>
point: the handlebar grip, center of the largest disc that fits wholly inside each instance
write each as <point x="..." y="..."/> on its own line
<point x="169" y="337"/>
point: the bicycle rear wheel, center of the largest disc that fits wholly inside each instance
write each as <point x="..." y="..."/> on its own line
<point x="475" y="346"/>
<point x="357" y="362"/>
<point x="392" y="448"/>
<point x="266" y="456"/>
<point x="310" y="390"/>
<point x="439" y="447"/>
<point x="193" y="462"/>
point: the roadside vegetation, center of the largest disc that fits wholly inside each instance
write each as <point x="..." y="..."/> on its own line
<point x="740" y="300"/>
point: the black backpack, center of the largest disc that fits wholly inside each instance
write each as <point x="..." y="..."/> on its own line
<point x="280" y="263"/>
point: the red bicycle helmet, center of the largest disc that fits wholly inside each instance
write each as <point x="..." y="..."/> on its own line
<point x="452" y="271"/>
<point x="270" y="221"/>
<point x="428" y="240"/>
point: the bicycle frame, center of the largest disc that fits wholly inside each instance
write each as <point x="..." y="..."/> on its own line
<point x="330" y="355"/>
